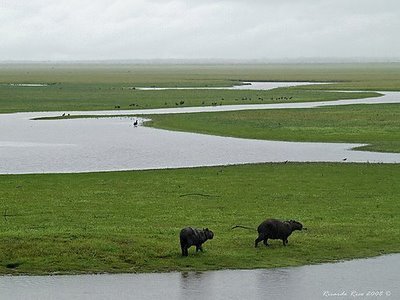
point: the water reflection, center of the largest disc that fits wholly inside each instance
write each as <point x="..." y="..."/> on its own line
<point x="195" y="284"/>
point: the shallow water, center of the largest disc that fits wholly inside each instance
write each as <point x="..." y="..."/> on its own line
<point x="28" y="84"/>
<point x="307" y="282"/>
<point x="246" y="86"/>
<point x="111" y="144"/>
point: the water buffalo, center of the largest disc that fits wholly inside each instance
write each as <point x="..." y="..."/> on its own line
<point x="194" y="237"/>
<point x="276" y="229"/>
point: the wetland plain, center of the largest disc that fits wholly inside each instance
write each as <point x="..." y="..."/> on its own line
<point x="123" y="222"/>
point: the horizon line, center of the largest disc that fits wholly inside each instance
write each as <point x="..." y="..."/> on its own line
<point x="303" y="60"/>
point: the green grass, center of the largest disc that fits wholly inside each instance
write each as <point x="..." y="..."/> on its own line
<point x="130" y="221"/>
<point x="377" y="125"/>
<point x="105" y="87"/>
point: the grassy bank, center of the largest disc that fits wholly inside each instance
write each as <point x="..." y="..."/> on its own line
<point x="377" y="125"/>
<point x="130" y="221"/>
<point x="108" y="87"/>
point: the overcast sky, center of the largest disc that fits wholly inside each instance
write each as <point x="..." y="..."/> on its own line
<point x="198" y="29"/>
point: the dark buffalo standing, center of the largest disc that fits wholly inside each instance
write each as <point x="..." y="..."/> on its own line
<point x="194" y="237"/>
<point x="276" y="229"/>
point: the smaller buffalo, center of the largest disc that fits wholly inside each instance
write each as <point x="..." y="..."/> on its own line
<point x="276" y="230"/>
<point x="194" y="237"/>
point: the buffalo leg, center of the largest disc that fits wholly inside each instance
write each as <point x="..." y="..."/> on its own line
<point x="266" y="242"/>
<point x="184" y="251"/>
<point x="259" y="239"/>
<point x="199" y="247"/>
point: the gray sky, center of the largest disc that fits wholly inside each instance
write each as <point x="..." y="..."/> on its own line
<point x="252" y="29"/>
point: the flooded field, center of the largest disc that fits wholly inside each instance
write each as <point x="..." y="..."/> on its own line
<point x="112" y="144"/>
